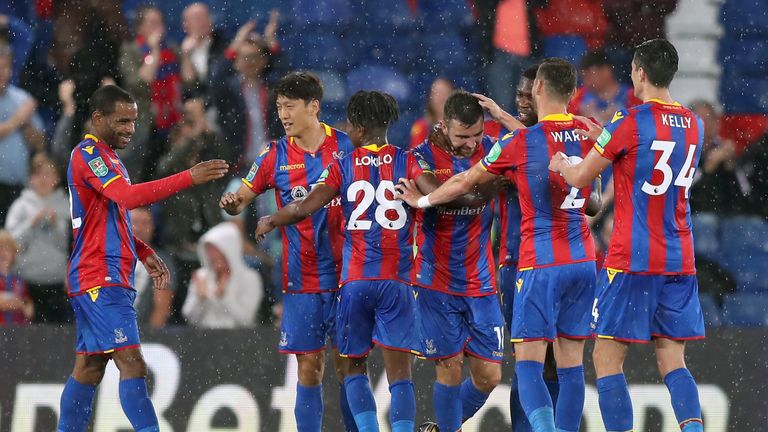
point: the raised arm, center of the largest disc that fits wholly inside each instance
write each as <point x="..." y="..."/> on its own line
<point x="453" y="188"/>
<point x="497" y="113"/>
<point x="235" y="202"/>
<point x="428" y="183"/>
<point x="294" y="212"/>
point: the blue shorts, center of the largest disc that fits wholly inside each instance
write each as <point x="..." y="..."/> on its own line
<point x="507" y="277"/>
<point x="553" y="302"/>
<point x="455" y="324"/>
<point x="635" y="308"/>
<point x="308" y="322"/>
<point x="381" y="312"/>
<point x="105" y="320"/>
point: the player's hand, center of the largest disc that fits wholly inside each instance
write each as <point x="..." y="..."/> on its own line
<point x="489" y="104"/>
<point x="558" y="161"/>
<point x="407" y="191"/>
<point x="587" y="127"/>
<point x="158" y="271"/>
<point x="230" y="202"/>
<point x="264" y="227"/>
<point x="209" y="170"/>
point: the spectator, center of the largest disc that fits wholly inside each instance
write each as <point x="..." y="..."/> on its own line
<point x="39" y="222"/>
<point x="224" y="293"/>
<point x="64" y="134"/>
<point x="192" y="212"/>
<point x="153" y="306"/>
<point x="150" y="69"/>
<point x="246" y="114"/>
<point x="15" y="304"/>
<point x="20" y="134"/>
<point x="600" y="95"/>
<point x="201" y="49"/>
<point x="630" y="23"/>
<point x="754" y="161"/>
<point x="439" y="92"/>
<point x="715" y="185"/>
<point x="20" y="37"/>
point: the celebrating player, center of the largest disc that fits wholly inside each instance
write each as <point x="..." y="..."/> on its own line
<point x="555" y="281"/>
<point x="103" y="259"/>
<point x="648" y="288"/>
<point x="454" y="272"/>
<point x="311" y="248"/>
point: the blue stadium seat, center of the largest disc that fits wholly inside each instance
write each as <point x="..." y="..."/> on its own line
<point x="746" y="309"/>
<point x="745" y="17"/>
<point x="333" y="112"/>
<point x="711" y="311"/>
<point x="741" y="94"/>
<point x="745" y="55"/>
<point x="400" y="48"/>
<point x="379" y="77"/>
<point x="331" y="14"/>
<point x="744" y="232"/>
<point x="744" y="251"/>
<point x="569" y="47"/>
<point x="382" y="15"/>
<point x="445" y="14"/>
<point x="446" y="54"/>
<point x="310" y="48"/>
<point x="334" y="87"/>
<point x="706" y="235"/>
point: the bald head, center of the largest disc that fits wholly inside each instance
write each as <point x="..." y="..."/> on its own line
<point x="197" y="20"/>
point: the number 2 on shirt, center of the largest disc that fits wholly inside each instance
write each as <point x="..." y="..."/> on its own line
<point x="383" y="204"/>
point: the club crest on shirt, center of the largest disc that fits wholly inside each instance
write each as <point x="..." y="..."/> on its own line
<point x="298" y="193"/>
<point x="424" y="165"/>
<point x="120" y="336"/>
<point x="493" y="154"/>
<point x="252" y="172"/>
<point x="430" y="344"/>
<point x="98" y="167"/>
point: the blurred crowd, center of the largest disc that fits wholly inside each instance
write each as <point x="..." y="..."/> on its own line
<point x="206" y="95"/>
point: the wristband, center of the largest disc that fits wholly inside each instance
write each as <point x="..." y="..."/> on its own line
<point x="604" y="137"/>
<point x="423" y="202"/>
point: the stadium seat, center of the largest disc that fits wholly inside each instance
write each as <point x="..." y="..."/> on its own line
<point x="711" y="311"/>
<point x="383" y="15"/>
<point x="333" y="113"/>
<point x="569" y="47"/>
<point x="334" y="87"/>
<point x="745" y="55"/>
<point x="445" y="14"/>
<point x="706" y="235"/>
<point x="330" y="14"/>
<point x="744" y="232"/>
<point x="745" y="17"/>
<point x="401" y="48"/>
<point x="378" y="77"/>
<point x="743" y="95"/>
<point x="745" y="309"/>
<point x="446" y="54"/>
<point x="310" y="48"/>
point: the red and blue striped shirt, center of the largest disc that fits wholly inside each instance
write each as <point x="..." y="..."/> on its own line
<point x="312" y="247"/>
<point x="454" y="253"/>
<point x="378" y="240"/>
<point x="554" y="229"/>
<point x="655" y="149"/>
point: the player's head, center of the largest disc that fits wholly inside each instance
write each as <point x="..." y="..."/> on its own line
<point x="8" y="248"/>
<point x="298" y="97"/>
<point x="369" y="114"/>
<point x="555" y="82"/>
<point x="524" y="96"/>
<point x="113" y="115"/>
<point x="149" y="21"/>
<point x="597" y="70"/>
<point x="6" y="65"/>
<point x="142" y="224"/>
<point x="654" y="65"/>
<point x="463" y="123"/>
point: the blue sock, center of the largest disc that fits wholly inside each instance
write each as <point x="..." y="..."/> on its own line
<point x="534" y="396"/>
<point x="615" y="403"/>
<point x="76" y="406"/>
<point x="519" y="419"/>
<point x="346" y="413"/>
<point x="553" y="387"/>
<point x="447" y="403"/>
<point x="402" y="409"/>
<point x="136" y="405"/>
<point x="309" y="408"/>
<point x="570" y="404"/>
<point x="361" y="402"/>
<point x="685" y="399"/>
<point x="472" y="399"/>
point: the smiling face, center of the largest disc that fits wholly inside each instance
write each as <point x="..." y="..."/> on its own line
<point x="117" y="128"/>
<point x="464" y="139"/>
<point x="524" y="102"/>
<point x="296" y="115"/>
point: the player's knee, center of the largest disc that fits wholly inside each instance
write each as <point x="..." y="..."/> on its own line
<point x="448" y="373"/>
<point x="310" y="373"/>
<point x="488" y="380"/>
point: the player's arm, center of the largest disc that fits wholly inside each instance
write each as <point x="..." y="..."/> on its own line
<point x="497" y="113"/>
<point x="235" y="202"/>
<point x="296" y="211"/>
<point x="428" y="183"/>
<point x="154" y="265"/>
<point x="595" y="201"/>
<point x="582" y="174"/>
<point x="461" y="184"/>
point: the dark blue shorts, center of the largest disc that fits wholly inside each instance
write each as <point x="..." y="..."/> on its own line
<point x="105" y="320"/>
<point x="553" y="302"/>
<point x="455" y="324"/>
<point x="308" y="322"/>
<point x="636" y="308"/>
<point x="381" y="312"/>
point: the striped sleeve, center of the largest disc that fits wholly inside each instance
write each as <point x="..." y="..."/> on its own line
<point x="261" y="176"/>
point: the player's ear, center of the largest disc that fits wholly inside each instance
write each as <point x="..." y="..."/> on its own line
<point x="314" y="106"/>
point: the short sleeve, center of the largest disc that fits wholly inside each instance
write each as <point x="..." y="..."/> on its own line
<point x="417" y="165"/>
<point x="331" y="176"/>
<point x="92" y="167"/>
<point x="616" y="136"/>
<point x="501" y="156"/>
<point x="261" y="176"/>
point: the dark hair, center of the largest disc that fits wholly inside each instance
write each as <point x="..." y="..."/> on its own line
<point x="300" y="85"/>
<point x="595" y="58"/>
<point x="141" y="14"/>
<point x="559" y="75"/>
<point x="372" y="109"/>
<point x="530" y="72"/>
<point x="658" y="58"/>
<point x="104" y="99"/>
<point x="463" y="107"/>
